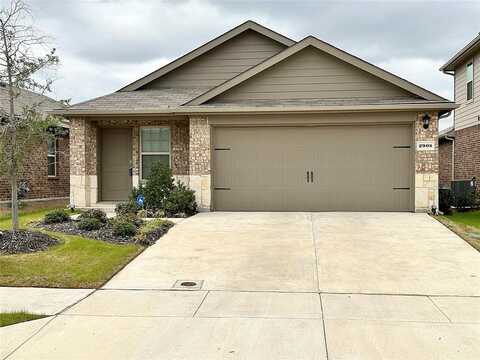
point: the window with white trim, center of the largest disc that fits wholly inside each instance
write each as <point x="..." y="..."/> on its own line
<point x="470" y="81"/>
<point x="52" y="157"/>
<point x="154" y="148"/>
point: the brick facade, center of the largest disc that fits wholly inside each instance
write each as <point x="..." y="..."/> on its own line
<point x="467" y="153"/>
<point x="426" y="164"/>
<point x="35" y="173"/>
<point x="445" y="148"/>
<point x="85" y="162"/>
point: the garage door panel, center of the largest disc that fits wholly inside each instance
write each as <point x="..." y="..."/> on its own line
<point x="354" y="168"/>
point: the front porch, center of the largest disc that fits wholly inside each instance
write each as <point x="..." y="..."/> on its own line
<point x="111" y="155"/>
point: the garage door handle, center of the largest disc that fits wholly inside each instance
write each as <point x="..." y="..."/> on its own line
<point x="311" y="176"/>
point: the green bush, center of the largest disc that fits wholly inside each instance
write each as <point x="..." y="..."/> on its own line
<point x="125" y="208"/>
<point x="181" y="201"/>
<point x="445" y="201"/>
<point x="89" y="224"/>
<point x="94" y="214"/>
<point x="56" y="216"/>
<point x="151" y="231"/>
<point x="159" y="185"/>
<point x="123" y="227"/>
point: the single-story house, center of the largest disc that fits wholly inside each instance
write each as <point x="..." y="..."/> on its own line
<point x="46" y="172"/>
<point x="255" y="121"/>
<point x="461" y="143"/>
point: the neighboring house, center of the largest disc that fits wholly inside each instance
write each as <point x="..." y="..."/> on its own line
<point x="253" y="120"/>
<point x="463" y="140"/>
<point x="47" y="167"/>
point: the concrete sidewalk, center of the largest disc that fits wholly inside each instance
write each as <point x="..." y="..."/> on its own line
<point x="42" y="301"/>
<point x="258" y="325"/>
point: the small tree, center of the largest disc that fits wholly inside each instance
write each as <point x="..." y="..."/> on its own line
<point x="21" y="127"/>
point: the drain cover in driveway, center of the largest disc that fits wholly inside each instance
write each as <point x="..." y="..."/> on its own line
<point x="188" y="284"/>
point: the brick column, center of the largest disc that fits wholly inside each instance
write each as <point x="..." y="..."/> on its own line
<point x="83" y="162"/>
<point x="199" y="161"/>
<point x="426" y="164"/>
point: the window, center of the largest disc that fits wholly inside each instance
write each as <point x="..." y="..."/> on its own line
<point x="155" y="147"/>
<point x="470" y="81"/>
<point x="52" y="157"/>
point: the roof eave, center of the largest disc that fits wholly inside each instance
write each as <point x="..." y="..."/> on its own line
<point x="187" y="110"/>
<point x="462" y="55"/>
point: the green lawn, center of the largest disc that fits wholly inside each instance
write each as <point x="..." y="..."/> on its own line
<point x="465" y="224"/>
<point x="77" y="262"/>
<point x="468" y="218"/>
<point x="11" y="318"/>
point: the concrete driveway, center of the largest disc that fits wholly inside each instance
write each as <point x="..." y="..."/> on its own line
<point x="280" y="286"/>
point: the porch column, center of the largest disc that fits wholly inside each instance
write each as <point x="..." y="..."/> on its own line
<point x="426" y="163"/>
<point x="136" y="156"/>
<point x="83" y="162"/>
<point x="199" y="161"/>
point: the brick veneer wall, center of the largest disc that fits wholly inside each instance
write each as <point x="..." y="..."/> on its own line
<point x="445" y="163"/>
<point x="467" y="153"/>
<point x="85" y="134"/>
<point x="179" y="131"/>
<point x="426" y="164"/>
<point x="35" y="173"/>
<point x="200" y="162"/>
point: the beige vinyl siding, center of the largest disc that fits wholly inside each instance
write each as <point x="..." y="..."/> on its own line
<point x="312" y="74"/>
<point x="221" y="63"/>
<point x="468" y="112"/>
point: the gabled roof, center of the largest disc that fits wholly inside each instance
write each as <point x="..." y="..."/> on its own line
<point x="329" y="49"/>
<point x="248" y="25"/>
<point x="462" y="55"/>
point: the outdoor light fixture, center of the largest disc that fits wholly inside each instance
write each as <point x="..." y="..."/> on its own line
<point x="426" y="121"/>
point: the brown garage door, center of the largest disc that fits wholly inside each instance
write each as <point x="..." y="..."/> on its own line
<point x="327" y="168"/>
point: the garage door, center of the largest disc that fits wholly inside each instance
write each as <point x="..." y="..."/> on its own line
<point x="326" y="168"/>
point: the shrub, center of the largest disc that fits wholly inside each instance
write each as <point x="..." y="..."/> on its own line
<point x="142" y="213"/>
<point x="89" y="224"/>
<point x="151" y="231"/>
<point x="123" y="227"/>
<point x="125" y="208"/>
<point x="445" y="201"/>
<point x="181" y="201"/>
<point x="56" y="216"/>
<point x="94" y="214"/>
<point x="158" y="187"/>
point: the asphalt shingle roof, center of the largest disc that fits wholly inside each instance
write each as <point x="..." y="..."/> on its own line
<point x="158" y="99"/>
<point x="27" y="98"/>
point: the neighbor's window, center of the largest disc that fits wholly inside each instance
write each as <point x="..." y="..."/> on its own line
<point x="155" y="147"/>
<point x="470" y="81"/>
<point x="52" y="157"/>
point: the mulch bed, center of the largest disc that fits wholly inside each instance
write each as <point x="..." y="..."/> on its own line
<point x="105" y="233"/>
<point x="25" y="241"/>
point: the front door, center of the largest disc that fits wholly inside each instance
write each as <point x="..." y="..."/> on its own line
<point x="116" y="157"/>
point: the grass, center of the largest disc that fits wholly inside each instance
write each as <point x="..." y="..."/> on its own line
<point x="10" y="318"/>
<point x="465" y="224"/>
<point x="77" y="262"/>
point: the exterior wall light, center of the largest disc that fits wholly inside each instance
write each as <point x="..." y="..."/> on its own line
<point x="426" y="121"/>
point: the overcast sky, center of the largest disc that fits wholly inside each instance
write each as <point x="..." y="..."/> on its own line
<point x="104" y="45"/>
